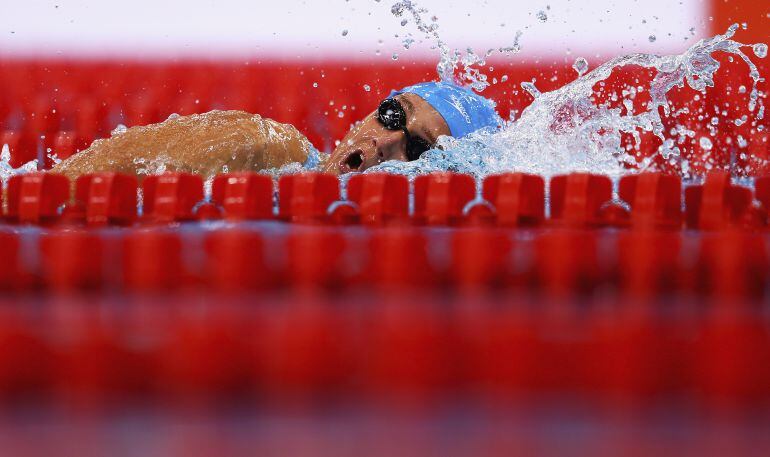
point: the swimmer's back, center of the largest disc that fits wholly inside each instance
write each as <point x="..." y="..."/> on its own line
<point x="206" y="144"/>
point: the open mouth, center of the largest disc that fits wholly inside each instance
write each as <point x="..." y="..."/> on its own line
<point x="355" y="160"/>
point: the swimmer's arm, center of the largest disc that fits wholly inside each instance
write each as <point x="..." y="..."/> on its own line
<point x="207" y="144"/>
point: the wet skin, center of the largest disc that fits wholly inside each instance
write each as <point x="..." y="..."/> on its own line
<point x="369" y="143"/>
<point x="219" y="141"/>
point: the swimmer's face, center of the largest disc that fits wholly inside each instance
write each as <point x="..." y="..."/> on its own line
<point x="369" y="143"/>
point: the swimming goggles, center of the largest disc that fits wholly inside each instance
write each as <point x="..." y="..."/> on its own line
<point x="393" y="117"/>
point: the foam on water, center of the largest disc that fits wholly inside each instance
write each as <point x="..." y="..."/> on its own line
<point x="566" y="130"/>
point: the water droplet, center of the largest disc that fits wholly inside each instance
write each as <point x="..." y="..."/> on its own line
<point x="367" y="88"/>
<point x="541" y="16"/>
<point x="345" y="32"/>
<point x="404" y="22"/>
<point x="652" y="38"/>
<point x="530" y="87"/>
<point x="706" y="143"/>
<point x="394" y="56"/>
<point x="580" y="66"/>
<point x="315" y="84"/>
<point x="760" y="50"/>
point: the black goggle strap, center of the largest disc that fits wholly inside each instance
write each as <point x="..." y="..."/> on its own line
<point x="409" y="145"/>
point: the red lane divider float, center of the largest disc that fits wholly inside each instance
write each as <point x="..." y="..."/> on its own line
<point x="398" y="260"/>
<point x="723" y="267"/>
<point x="35" y="198"/>
<point x="305" y="353"/>
<point x="63" y="144"/>
<point x="89" y="122"/>
<point x="567" y="263"/>
<point x="649" y="264"/>
<point x="235" y="261"/>
<point x="72" y="260"/>
<point x="439" y="198"/>
<point x="306" y="197"/>
<point x="733" y="266"/>
<point x="731" y="360"/>
<point x="518" y="198"/>
<point x="10" y="272"/>
<point x="380" y="198"/>
<point x="26" y="359"/>
<point x="717" y="203"/>
<point x="152" y="261"/>
<point x="243" y="196"/>
<point x="576" y="199"/>
<point x="655" y="200"/>
<point x="315" y="259"/>
<point x="398" y="328"/>
<point x="171" y="197"/>
<point x="109" y="198"/>
<point x="403" y="353"/>
<point x="204" y="356"/>
<point x="480" y="259"/>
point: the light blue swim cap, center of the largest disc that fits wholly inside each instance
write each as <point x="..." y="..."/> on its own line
<point x="463" y="110"/>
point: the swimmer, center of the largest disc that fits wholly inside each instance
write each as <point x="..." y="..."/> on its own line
<point x="405" y="125"/>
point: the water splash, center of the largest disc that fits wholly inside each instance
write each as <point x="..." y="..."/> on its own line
<point x="580" y="66"/>
<point x="566" y="130"/>
<point x="458" y="66"/>
<point x="7" y="170"/>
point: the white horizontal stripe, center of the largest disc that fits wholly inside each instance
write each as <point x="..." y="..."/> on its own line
<point x="308" y="29"/>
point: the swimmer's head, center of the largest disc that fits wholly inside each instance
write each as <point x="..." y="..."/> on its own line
<point x="409" y="122"/>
